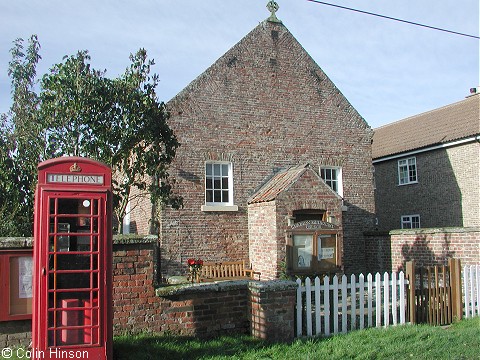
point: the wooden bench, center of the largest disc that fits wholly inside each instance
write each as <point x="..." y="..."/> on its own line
<point x="228" y="270"/>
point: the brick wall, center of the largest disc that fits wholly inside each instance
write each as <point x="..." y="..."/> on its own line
<point x="378" y="252"/>
<point x="267" y="222"/>
<point x="434" y="246"/>
<point x="202" y="310"/>
<point x="446" y="194"/>
<point x="135" y="305"/>
<point x="272" y="312"/>
<point x="262" y="106"/>
<point x="264" y="252"/>
<point x="465" y="164"/>
<point x="15" y="333"/>
<point x="205" y="310"/>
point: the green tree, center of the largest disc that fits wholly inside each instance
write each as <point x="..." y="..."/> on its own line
<point x="143" y="145"/>
<point x="21" y="142"/>
<point x="120" y="121"/>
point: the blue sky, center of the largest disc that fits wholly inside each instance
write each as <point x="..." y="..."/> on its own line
<point x="387" y="70"/>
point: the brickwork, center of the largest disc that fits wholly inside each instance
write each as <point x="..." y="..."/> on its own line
<point x="435" y="246"/>
<point x="201" y="310"/>
<point x="15" y="333"/>
<point x="205" y="310"/>
<point x="267" y="221"/>
<point x="272" y="307"/>
<point x="465" y="164"/>
<point x="378" y="252"/>
<point x="308" y="193"/>
<point x="263" y="106"/>
<point x="264" y="253"/>
<point x="135" y="305"/>
<point x="446" y="194"/>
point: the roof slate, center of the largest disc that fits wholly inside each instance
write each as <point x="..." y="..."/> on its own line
<point x="452" y="122"/>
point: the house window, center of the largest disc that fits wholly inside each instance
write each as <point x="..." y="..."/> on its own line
<point x="410" y="221"/>
<point x="333" y="178"/>
<point x="219" y="187"/>
<point x="407" y="171"/>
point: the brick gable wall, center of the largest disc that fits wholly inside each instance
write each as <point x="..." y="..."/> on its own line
<point x="264" y="105"/>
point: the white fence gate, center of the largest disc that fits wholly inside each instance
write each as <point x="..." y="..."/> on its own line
<point x="471" y="290"/>
<point x="340" y="305"/>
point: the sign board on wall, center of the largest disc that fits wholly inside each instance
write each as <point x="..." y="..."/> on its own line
<point x="16" y="286"/>
<point x="25" y="270"/>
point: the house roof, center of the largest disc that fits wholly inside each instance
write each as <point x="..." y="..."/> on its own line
<point x="280" y="182"/>
<point x="446" y="124"/>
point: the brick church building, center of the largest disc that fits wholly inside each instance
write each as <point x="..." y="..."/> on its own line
<point x="274" y="165"/>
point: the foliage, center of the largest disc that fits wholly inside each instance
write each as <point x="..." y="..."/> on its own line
<point x="21" y="142"/>
<point x="81" y="112"/>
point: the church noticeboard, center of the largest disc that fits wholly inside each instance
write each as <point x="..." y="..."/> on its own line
<point x="313" y="246"/>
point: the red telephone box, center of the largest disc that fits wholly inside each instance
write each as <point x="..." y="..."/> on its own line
<point x="71" y="316"/>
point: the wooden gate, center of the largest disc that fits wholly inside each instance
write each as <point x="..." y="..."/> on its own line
<point x="435" y="293"/>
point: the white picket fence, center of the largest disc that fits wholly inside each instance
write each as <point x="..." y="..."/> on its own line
<point x="340" y="305"/>
<point x="471" y="290"/>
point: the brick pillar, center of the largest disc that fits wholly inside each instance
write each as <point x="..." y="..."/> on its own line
<point x="272" y="310"/>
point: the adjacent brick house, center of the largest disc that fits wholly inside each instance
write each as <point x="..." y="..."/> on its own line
<point x="427" y="168"/>
<point x="264" y="107"/>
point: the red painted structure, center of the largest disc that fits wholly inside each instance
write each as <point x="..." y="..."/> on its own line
<point x="72" y="296"/>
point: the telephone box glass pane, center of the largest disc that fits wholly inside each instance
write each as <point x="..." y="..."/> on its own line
<point x="73" y="271"/>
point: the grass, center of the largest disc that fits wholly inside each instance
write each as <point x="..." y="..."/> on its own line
<point x="458" y="341"/>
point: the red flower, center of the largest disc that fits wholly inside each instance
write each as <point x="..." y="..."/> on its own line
<point x="191" y="262"/>
<point x="199" y="262"/>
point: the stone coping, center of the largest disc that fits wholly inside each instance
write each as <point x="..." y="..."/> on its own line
<point x="446" y="230"/>
<point x="16" y="242"/>
<point x="225" y="285"/>
<point x="134" y="239"/>
<point x="27" y="242"/>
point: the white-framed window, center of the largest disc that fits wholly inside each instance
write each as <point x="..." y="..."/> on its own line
<point x="410" y="221"/>
<point x="218" y="186"/>
<point x="332" y="176"/>
<point x="407" y="171"/>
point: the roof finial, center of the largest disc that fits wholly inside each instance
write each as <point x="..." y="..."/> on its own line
<point x="272" y="6"/>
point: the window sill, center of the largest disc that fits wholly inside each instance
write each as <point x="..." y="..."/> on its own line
<point x="409" y="183"/>
<point x="219" y="208"/>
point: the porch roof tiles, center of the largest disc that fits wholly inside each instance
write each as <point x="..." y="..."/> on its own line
<point x="280" y="182"/>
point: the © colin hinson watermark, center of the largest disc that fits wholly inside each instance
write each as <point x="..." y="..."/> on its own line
<point x="51" y="353"/>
